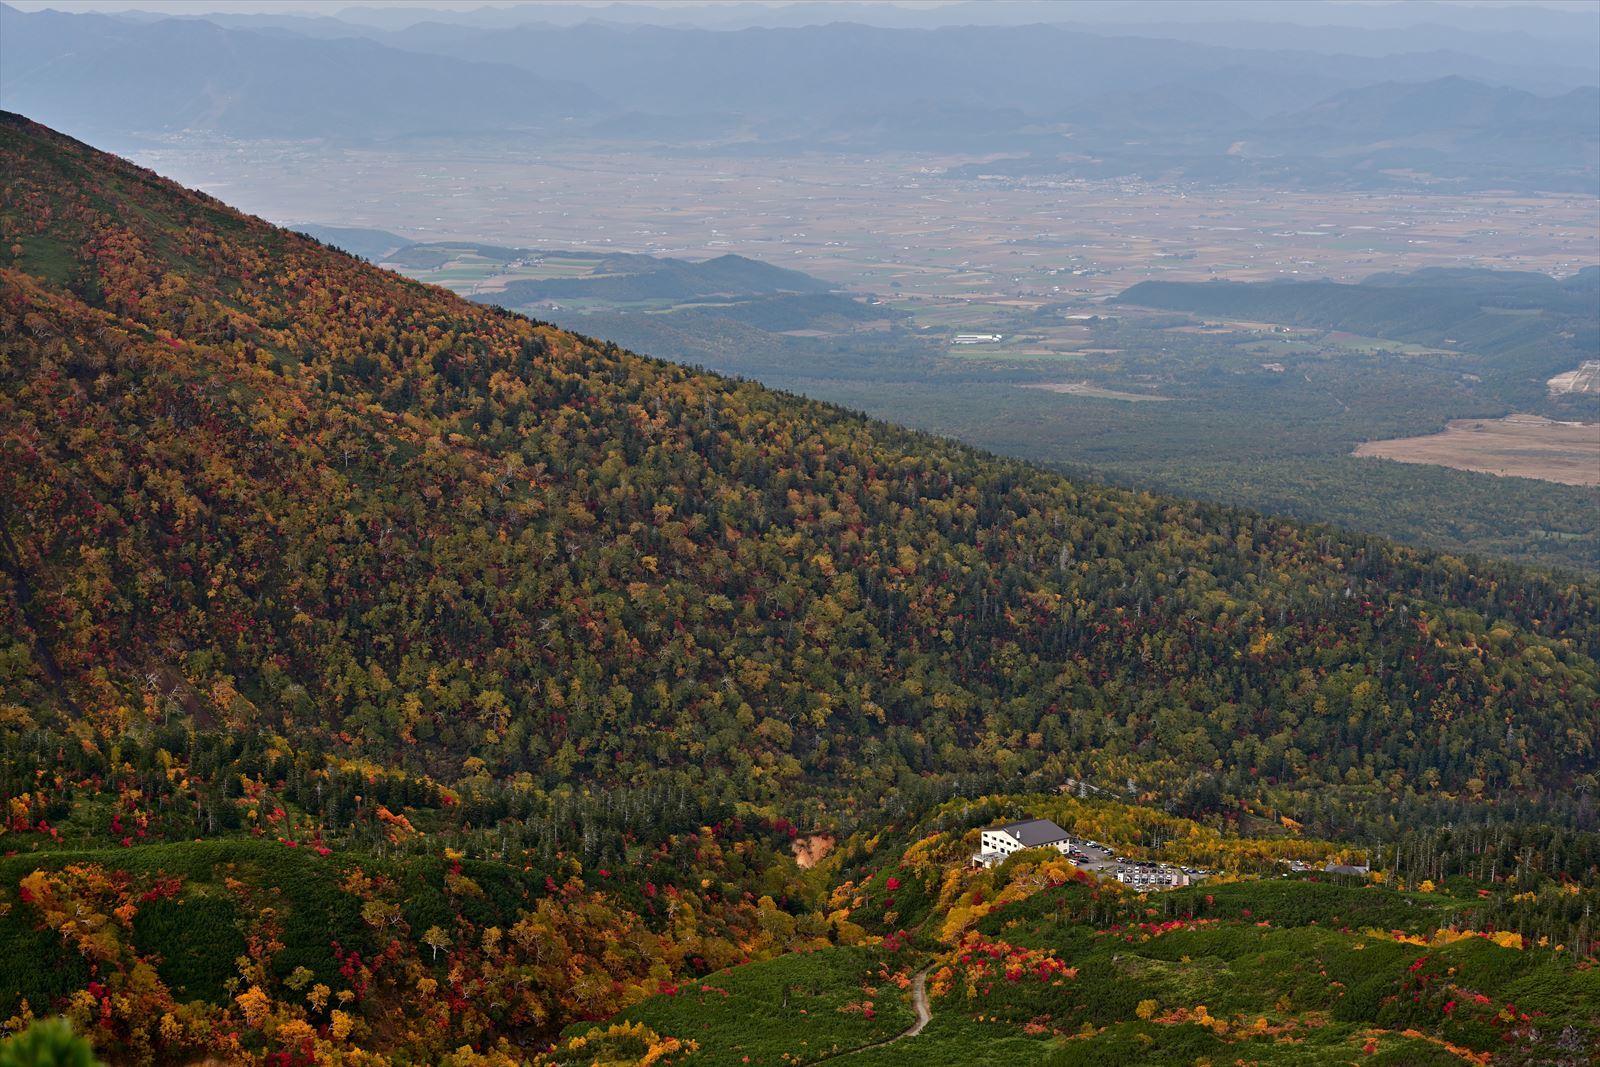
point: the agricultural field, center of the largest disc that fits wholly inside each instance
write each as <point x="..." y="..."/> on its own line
<point x="1517" y="446"/>
<point x="1368" y="345"/>
<point x="472" y="270"/>
<point x="892" y="223"/>
<point x="1085" y="389"/>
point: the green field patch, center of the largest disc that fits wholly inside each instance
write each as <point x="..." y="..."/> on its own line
<point x="33" y="966"/>
<point x="794" y="1009"/>
<point x="1186" y="1044"/>
<point x="963" y="316"/>
<point x="1352" y="342"/>
<point x="958" y="1040"/>
<point x="997" y="355"/>
<point x="1094" y="391"/>
<point x="196" y="941"/>
<point x="1277" y="346"/>
<point x="1301" y="902"/>
<point x="48" y="258"/>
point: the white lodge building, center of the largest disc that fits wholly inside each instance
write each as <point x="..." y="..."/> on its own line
<point x="998" y="842"/>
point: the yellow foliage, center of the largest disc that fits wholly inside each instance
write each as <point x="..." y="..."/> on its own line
<point x="627" y="1037"/>
<point x="294" y="1032"/>
<point x="255" y="1004"/>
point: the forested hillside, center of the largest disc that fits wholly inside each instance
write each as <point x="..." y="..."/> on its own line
<point x="259" y="485"/>
<point x="381" y="673"/>
<point x="1515" y="327"/>
<point x="1037" y="962"/>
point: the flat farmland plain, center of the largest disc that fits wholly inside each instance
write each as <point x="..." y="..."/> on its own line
<point x="889" y="224"/>
<point x="1521" y="446"/>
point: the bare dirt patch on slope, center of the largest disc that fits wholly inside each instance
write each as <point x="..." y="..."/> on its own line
<point x="1586" y="379"/>
<point x="808" y="851"/>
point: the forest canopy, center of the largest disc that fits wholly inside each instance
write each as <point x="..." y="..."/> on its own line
<point x="255" y="484"/>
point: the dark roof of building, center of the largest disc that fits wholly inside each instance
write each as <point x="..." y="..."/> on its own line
<point x="1034" y="832"/>
<point x="1344" y="868"/>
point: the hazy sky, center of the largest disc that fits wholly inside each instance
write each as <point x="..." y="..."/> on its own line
<point x="329" y="7"/>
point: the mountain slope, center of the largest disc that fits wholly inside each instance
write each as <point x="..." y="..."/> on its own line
<point x="1451" y="117"/>
<point x="262" y="486"/>
<point x="666" y="68"/>
<point x="1518" y="325"/>
<point x="1453" y="102"/>
<point x="371" y="245"/>
<point x="1036" y="962"/>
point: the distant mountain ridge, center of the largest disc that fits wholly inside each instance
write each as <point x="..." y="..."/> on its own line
<point x="114" y="76"/>
<point x="614" y="277"/>
<point x="1451" y="133"/>
<point x="1453" y="117"/>
<point x="673" y="70"/>
<point x="1202" y="110"/>
<point x="369" y="244"/>
<point x="1449" y="102"/>
<point x="1460" y="308"/>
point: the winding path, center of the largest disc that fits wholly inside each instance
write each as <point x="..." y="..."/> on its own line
<point x="919" y="1001"/>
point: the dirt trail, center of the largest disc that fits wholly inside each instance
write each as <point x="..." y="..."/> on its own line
<point x="919" y="1001"/>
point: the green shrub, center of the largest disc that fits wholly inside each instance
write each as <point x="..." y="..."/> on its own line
<point x="47" y="1043"/>
<point x="1141" y="1043"/>
<point x="197" y="941"/>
